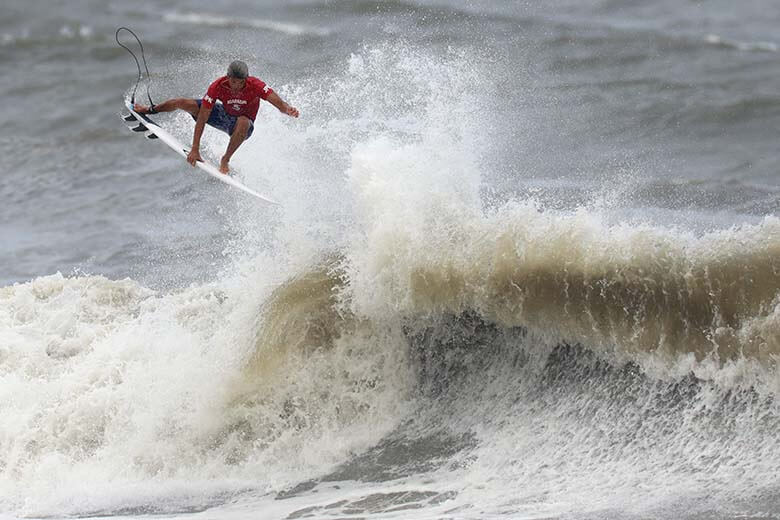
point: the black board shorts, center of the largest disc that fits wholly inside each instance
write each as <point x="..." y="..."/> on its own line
<point x="221" y="120"/>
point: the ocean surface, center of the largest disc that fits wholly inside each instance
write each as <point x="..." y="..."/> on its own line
<point x="527" y="263"/>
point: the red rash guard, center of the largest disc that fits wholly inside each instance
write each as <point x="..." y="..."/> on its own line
<point x="245" y="102"/>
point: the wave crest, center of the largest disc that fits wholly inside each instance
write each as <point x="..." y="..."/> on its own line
<point x="576" y="279"/>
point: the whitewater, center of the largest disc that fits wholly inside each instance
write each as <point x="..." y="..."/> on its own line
<point x="520" y="270"/>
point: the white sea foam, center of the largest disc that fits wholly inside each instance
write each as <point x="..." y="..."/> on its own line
<point x="214" y="20"/>
<point x="758" y="46"/>
<point x="65" y="32"/>
<point x="108" y="387"/>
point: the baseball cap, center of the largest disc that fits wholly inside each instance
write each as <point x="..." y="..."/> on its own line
<point x="238" y="69"/>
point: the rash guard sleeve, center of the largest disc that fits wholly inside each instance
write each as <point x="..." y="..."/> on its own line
<point x="263" y="90"/>
<point x="211" y="95"/>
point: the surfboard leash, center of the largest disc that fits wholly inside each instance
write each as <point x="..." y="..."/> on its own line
<point x="138" y="64"/>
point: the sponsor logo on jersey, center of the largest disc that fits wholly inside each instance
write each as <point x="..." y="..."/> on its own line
<point x="266" y="89"/>
<point x="208" y="99"/>
<point x="236" y="104"/>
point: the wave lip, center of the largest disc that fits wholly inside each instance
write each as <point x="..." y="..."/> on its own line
<point x="213" y="20"/>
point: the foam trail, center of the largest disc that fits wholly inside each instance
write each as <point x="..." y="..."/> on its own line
<point x="761" y="46"/>
<point x="252" y="23"/>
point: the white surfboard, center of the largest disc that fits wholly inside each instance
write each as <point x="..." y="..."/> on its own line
<point x="142" y="123"/>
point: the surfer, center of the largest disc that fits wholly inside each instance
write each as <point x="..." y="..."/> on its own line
<point x="240" y="95"/>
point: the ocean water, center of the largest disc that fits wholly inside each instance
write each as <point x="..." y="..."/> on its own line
<point x="527" y="263"/>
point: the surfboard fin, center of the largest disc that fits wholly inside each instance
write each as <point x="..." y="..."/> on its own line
<point x="130" y="118"/>
<point x="151" y="136"/>
<point x="139" y="128"/>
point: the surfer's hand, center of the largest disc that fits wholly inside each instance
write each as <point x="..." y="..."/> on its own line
<point x="193" y="157"/>
<point x="291" y="111"/>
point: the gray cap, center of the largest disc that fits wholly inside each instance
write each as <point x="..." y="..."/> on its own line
<point x="238" y="69"/>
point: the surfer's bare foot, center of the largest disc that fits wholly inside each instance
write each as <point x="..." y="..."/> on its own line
<point x="223" y="166"/>
<point x="141" y="109"/>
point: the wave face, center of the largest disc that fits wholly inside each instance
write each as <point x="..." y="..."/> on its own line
<point x="635" y="288"/>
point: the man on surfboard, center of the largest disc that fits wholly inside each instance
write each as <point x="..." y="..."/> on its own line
<point x="240" y="95"/>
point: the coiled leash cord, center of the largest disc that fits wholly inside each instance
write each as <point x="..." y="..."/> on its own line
<point x="138" y="64"/>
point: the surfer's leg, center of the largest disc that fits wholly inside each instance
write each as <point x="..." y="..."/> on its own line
<point x="187" y="104"/>
<point x="237" y="137"/>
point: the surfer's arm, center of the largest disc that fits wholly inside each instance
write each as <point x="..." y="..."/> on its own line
<point x="200" y="124"/>
<point x="283" y="107"/>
